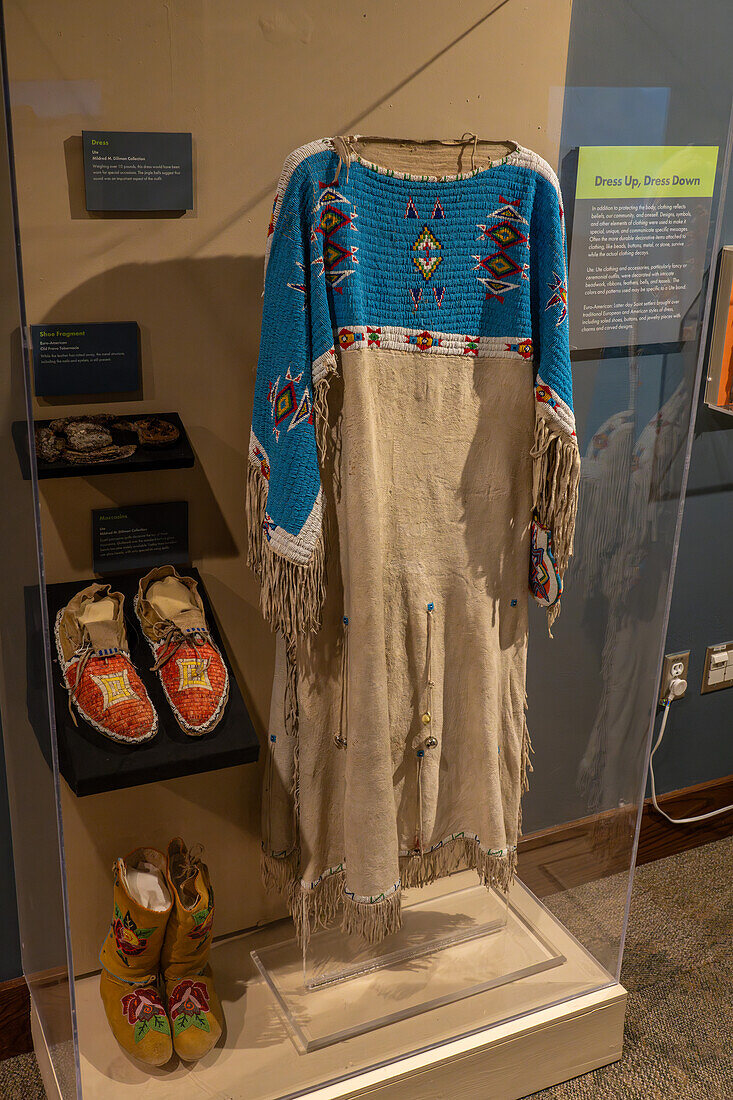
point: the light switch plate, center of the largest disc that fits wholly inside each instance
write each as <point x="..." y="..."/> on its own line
<point x="717" y="674"/>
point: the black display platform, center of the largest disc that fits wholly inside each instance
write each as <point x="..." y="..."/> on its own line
<point x="174" y="456"/>
<point x="91" y="763"/>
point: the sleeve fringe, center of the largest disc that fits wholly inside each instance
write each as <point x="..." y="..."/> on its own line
<point x="291" y="595"/>
<point x="555" y="497"/>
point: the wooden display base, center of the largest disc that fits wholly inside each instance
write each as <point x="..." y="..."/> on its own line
<point x="524" y="1036"/>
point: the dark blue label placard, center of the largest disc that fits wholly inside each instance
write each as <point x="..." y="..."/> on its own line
<point x="100" y="357"/>
<point x="140" y="536"/>
<point x="128" y="170"/>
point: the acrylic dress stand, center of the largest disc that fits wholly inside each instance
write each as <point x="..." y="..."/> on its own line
<point x="457" y="939"/>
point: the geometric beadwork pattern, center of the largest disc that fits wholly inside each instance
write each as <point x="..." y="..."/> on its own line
<point x="545" y="583"/>
<point x="427" y="249"/>
<point x="495" y="288"/>
<point x="193" y="674"/>
<point x="539" y="577"/>
<point x="522" y="347"/>
<point x="332" y="254"/>
<point x="423" y="341"/>
<point x="304" y="413"/>
<point x="283" y="400"/>
<point x="559" y="297"/>
<point x="500" y="265"/>
<point x="284" y="403"/>
<point x="505" y="235"/>
<point x="331" y="219"/>
<point x="508" y="211"/>
<point x="115" y="688"/>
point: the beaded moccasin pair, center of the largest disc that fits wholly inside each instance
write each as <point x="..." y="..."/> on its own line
<point x="103" y="685"/>
<point x="156" y="985"/>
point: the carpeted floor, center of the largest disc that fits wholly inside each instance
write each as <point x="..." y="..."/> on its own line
<point x="678" y="969"/>
<point x="20" y="1079"/>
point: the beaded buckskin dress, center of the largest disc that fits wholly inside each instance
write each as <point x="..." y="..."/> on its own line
<point x="413" y="475"/>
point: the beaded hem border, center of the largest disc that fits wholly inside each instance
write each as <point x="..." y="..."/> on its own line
<point x="378" y="916"/>
<point x="340" y="868"/>
<point x="394" y="337"/>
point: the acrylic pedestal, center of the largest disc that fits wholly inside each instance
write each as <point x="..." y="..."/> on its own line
<point x="523" y="1035"/>
<point x="453" y="944"/>
<point x="433" y="918"/>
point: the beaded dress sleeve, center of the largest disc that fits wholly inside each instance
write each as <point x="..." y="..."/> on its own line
<point x="555" y="453"/>
<point x="284" y="495"/>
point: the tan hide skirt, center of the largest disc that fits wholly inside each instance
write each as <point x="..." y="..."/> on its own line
<point x="411" y="750"/>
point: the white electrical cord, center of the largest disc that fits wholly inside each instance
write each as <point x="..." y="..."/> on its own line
<point x="677" y="688"/>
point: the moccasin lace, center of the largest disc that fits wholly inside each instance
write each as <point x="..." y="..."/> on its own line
<point x="85" y="651"/>
<point x="170" y="635"/>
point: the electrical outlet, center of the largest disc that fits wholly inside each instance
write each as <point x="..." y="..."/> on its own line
<point x="674" y="668"/>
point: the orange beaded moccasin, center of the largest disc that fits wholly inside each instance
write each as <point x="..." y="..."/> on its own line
<point x="103" y="685"/>
<point x="191" y="668"/>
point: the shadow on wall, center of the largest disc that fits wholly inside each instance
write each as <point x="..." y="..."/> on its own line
<point x="199" y="321"/>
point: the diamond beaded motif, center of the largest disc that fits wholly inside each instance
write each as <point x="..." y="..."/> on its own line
<point x="427" y="248"/>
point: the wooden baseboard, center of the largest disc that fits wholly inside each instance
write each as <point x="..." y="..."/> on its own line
<point x="581" y="851"/>
<point x="15" y="1019"/>
<point x="660" y="838"/>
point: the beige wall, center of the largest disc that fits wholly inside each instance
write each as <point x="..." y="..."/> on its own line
<point x="251" y="81"/>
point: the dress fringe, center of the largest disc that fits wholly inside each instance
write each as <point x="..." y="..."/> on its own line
<point x="320" y="906"/>
<point x="280" y="873"/>
<point x="458" y="854"/>
<point x="372" y="920"/>
<point x="555" y="497"/>
<point x="316" y="908"/>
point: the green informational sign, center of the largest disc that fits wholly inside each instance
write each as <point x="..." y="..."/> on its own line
<point x="646" y="171"/>
<point x="637" y="258"/>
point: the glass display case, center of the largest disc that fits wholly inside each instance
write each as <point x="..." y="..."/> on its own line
<point x="143" y="313"/>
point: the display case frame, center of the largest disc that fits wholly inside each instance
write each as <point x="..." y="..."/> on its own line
<point x="576" y="863"/>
